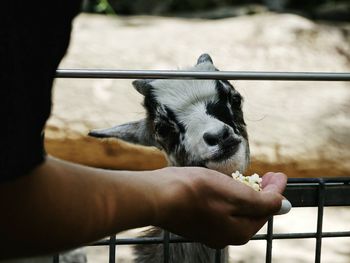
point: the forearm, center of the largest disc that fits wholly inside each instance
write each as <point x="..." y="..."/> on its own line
<point x="62" y="205"/>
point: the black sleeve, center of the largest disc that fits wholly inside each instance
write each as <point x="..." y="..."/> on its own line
<point x="33" y="39"/>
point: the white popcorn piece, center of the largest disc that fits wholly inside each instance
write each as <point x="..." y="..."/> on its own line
<point x="254" y="181"/>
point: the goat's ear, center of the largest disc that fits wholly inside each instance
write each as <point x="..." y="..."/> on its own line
<point x="204" y="58"/>
<point x="136" y="132"/>
<point x="143" y="86"/>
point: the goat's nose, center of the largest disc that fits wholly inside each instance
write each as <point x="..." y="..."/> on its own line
<point x="213" y="139"/>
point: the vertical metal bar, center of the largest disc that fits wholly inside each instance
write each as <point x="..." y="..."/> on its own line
<point x="218" y="256"/>
<point x="56" y="258"/>
<point x="321" y="200"/>
<point x="269" y="241"/>
<point x="112" y="249"/>
<point x="166" y="255"/>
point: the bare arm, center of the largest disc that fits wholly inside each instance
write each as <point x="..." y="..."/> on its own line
<point x="63" y="205"/>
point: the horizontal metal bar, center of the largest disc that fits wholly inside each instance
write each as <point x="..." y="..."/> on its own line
<point x="302" y="235"/>
<point x="227" y="75"/>
<point x="142" y="240"/>
<point x="304" y="192"/>
<point x="325" y="180"/>
<point x="160" y="240"/>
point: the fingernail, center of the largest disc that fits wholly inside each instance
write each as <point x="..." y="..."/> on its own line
<point x="285" y="207"/>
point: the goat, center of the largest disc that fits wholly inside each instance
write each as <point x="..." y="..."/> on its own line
<point x="196" y="123"/>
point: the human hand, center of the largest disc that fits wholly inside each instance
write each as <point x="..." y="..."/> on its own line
<point x="206" y="206"/>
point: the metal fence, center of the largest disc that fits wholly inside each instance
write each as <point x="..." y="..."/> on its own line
<point x="301" y="192"/>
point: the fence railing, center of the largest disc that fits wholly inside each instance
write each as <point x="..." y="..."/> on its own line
<point x="302" y="192"/>
<point x="227" y="75"/>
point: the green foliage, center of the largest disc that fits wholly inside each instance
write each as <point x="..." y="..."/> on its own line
<point x="161" y="7"/>
<point x="98" y="6"/>
<point x="103" y="6"/>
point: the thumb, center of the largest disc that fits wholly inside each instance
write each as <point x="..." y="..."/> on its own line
<point x="274" y="203"/>
<point x="265" y="204"/>
<point x="276" y="183"/>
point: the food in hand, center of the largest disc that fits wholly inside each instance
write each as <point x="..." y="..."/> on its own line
<point x="254" y="181"/>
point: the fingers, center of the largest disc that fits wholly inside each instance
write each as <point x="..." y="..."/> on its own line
<point x="238" y="231"/>
<point x="262" y="204"/>
<point x="248" y="227"/>
<point x="267" y="202"/>
<point x="286" y="206"/>
<point x="274" y="182"/>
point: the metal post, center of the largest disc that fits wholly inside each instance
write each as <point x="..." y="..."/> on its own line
<point x="56" y="258"/>
<point x="218" y="256"/>
<point x="166" y="249"/>
<point x="112" y="249"/>
<point x="269" y="239"/>
<point x="321" y="201"/>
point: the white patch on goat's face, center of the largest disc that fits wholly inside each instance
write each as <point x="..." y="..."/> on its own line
<point x="178" y="95"/>
<point x="197" y="122"/>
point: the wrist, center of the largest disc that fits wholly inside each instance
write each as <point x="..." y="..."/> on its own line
<point x="136" y="197"/>
<point x="173" y="190"/>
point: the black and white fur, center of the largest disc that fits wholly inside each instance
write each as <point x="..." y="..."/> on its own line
<point x="196" y="123"/>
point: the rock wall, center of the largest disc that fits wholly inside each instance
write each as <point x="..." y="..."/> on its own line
<point x="301" y="128"/>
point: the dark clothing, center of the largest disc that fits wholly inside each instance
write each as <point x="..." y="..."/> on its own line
<point x="34" y="37"/>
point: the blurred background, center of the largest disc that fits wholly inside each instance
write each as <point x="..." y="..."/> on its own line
<point x="299" y="128"/>
<point x="315" y="9"/>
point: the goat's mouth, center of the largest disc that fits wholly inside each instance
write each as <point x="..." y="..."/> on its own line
<point x="222" y="153"/>
<point x="229" y="159"/>
<point x="225" y="151"/>
<point x="226" y="158"/>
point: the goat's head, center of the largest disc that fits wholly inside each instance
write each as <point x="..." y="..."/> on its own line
<point x="196" y="122"/>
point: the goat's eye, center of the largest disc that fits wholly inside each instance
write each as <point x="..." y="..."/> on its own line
<point x="236" y="100"/>
<point x="161" y="129"/>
